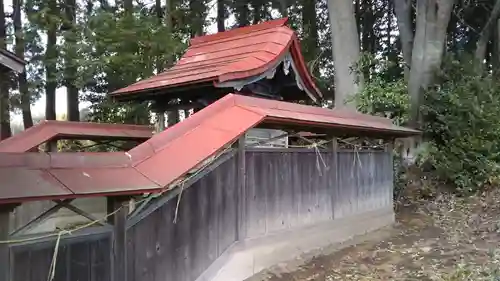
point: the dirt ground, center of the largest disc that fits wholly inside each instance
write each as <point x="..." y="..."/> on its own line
<point x="444" y="238"/>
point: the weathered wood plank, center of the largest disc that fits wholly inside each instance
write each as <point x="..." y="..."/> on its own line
<point x="282" y="191"/>
<point x="4" y="236"/>
<point x="241" y="188"/>
<point x="120" y="209"/>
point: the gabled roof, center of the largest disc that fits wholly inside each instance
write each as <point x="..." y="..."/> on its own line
<point x="156" y="164"/>
<point x="229" y="56"/>
<point x="10" y="61"/>
<point x="45" y="131"/>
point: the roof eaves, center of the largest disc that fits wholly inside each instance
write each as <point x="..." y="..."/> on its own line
<point x="305" y="73"/>
<point x="11" y="61"/>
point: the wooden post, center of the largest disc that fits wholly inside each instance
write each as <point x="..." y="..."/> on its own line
<point x="52" y="146"/>
<point x="335" y="189"/>
<point x="241" y="190"/>
<point x="118" y="206"/>
<point x="160" y="123"/>
<point x="5" y="265"/>
<point x="390" y="146"/>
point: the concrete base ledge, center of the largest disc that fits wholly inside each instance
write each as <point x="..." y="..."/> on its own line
<point x="246" y="258"/>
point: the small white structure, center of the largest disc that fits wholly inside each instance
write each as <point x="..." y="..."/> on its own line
<point x="262" y="137"/>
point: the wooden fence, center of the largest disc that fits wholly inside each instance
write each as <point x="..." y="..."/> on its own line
<point x="284" y="189"/>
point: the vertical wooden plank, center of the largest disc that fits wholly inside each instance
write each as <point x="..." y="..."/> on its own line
<point x="79" y="261"/>
<point x="119" y="240"/>
<point x="389" y="148"/>
<point x="287" y="183"/>
<point x="241" y="187"/>
<point x="360" y="181"/>
<point x="250" y="197"/>
<point x="334" y="170"/>
<point x="100" y="259"/>
<point x="40" y="264"/>
<point x="325" y="194"/>
<point x="212" y="209"/>
<point x="268" y="184"/>
<point x="227" y="210"/>
<point x="5" y="265"/>
<point x="21" y="267"/>
<point x="198" y="225"/>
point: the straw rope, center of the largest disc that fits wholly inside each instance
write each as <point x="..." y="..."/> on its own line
<point x="313" y="145"/>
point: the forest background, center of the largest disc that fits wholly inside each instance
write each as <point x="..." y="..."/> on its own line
<point x="428" y="64"/>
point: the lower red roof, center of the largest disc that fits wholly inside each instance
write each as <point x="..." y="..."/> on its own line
<point x="168" y="156"/>
<point x="53" y="130"/>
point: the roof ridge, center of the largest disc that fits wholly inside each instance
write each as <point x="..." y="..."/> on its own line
<point x="239" y="30"/>
<point x="199" y="118"/>
<point x="281" y="29"/>
<point x="254" y="44"/>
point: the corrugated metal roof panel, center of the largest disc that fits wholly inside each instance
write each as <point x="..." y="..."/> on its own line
<point x="101" y="181"/>
<point x="49" y="130"/>
<point x="20" y="184"/>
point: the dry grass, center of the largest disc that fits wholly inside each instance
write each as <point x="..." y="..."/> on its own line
<point x="446" y="238"/>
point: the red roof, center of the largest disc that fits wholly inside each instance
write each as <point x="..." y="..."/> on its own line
<point x="232" y="55"/>
<point x="52" y="130"/>
<point x="168" y="156"/>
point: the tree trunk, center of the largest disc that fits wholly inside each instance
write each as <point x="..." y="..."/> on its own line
<point x="403" y="11"/>
<point x="433" y="17"/>
<point x="128" y="6"/>
<point x="159" y="15"/>
<point x="104" y="5"/>
<point x="197" y="11"/>
<point x="242" y="13"/>
<point x="310" y="27"/>
<point x="73" y="112"/>
<point x="50" y="63"/>
<point x="367" y="34"/>
<point x="173" y="117"/>
<point x="23" y="84"/>
<point x="484" y="37"/>
<point x="168" y="20"/>
<point x="496" y="49"/>
<point x="260" y="11"/>
<point x="345" y="49"/>
<point x="388" y="43"/>
<point x="5" y="130"/>
<point x="168" y="14"/>
<point x="221" y="16"/>
<point x="284" y="8"/>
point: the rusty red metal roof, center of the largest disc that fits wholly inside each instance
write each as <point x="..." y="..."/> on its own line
<point x="52" y="130"/>
<point x="231" y="55"/>
<point x="168" y="156"/>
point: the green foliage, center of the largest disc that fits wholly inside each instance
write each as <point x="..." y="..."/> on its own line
<point x="383" y="94"/>
<point x="461" y="120"/>
<point x="118" y="50"/>
<point x="387" y="99"/>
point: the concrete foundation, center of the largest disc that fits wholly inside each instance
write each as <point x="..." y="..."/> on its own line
<point x="246" y="258"/>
